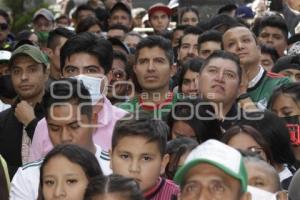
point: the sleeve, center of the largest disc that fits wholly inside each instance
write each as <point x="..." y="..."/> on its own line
<point x="30" y="128"/>
<point x="20" y="187"/>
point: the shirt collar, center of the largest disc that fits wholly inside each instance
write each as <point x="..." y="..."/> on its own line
<point x="256" y="79"/>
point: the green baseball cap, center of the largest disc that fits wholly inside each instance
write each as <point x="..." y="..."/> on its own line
<point x="34" y="52"/>
<point x="218" y="154"/>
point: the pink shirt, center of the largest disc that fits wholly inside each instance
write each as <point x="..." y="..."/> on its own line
<point x="107" y="118"/>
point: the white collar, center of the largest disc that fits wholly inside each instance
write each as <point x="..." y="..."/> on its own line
<point x="258" y="76"/>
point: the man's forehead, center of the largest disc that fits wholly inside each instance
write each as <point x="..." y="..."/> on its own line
<point x="236" y="32"/>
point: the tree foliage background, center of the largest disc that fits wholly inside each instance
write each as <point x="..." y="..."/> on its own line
<point x="22" y="12"/>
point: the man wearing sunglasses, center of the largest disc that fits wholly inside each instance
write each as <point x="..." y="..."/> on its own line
<point x="6" y="38"/>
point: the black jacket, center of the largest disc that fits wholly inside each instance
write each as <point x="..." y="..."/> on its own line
<point x="11" y="131"/>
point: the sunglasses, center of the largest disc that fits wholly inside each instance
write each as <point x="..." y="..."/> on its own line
<point x="3" y="26"/>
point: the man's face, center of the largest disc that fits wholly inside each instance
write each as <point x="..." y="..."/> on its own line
<point x="188" y="48"/>
<point x="28" y="77"/>
<point x="82" y="63"/>
<point x="41" y="24"/>
<point x="266" y="61"/>
<point x="55" y="53"/>
<point x="176" y="36"/>
<point x="240" y="41"/>
<point x="189" y="83"/>
<point x="293" y="74"/>
<point x="152" y="69"/>
<point x="4" y="29"/>
<point x="260" y="177"/>
<point x="219" y="81"/>
<point x="67" y="126"/>
<point x="137" y="158"/>
<point x="207" y="48"/>
<point x="120" y="17"/>
<point x="272" y="36"/>
<point x="159" y="20"/>
<point x="206" y="182"/>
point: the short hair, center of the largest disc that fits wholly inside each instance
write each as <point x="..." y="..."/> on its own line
<point x="184" y="10"/>
<point x="225" y="55"/>
<point x="81" y="8"/>
<point x="141" y="124"/>
<point x="189" y="30"/>
<point x="179" y="27"/>
<point x="275" y="133"/>
<point x="119" y="27"/>
<point x="156" y="41"/>
<point x="250" y="158"/>
<point x="227" y="8"/>
<point x="85" y="24"/>
<point x="75" y="154"/>
<point x="54" y="35"/>
<point x="193" y="65"/>
<point x="253" y="133"/>
<point x="292" y="89"/>
<point x="210" y="35"/>
<point x="102" y="185"/>
<point x="134" y="33"/>
<point x="274" y="21"/>
<point x="269" y="50"/>
<point x="68" y="90"/>
<point x="91" y="44"/>
<point x="4" y="14"/>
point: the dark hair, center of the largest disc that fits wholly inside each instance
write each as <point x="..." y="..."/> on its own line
<point x="225" y="55"/>
<point x="156" y="41"/>
<point x="210" y="35"/>
<point x="4" y="194"/>
<point x="119" y="27"/>
<point x="274" y="21"/>
<point x="189" y="30"/>
<point x="253" y="133"/>
<point x="178" y="147"/>
<point x="81" y="8"/>
<point x="227" y="8"/>
<point x="102" y="185"/>
<point x="4" y="14"/>
<point x="292" y="89"/>
<point x="75" y="154"/>
<point x="91" y="44"/>
<point x="141" y="124"/>
<point x="24" y="35"/>
<point x="68" y="90"/>
<point x="119" y="55"/>
<point x="294" y="38"/>
<point x="85" y="24"/>
<point x="269" y="50"/>
<point x="184" y="10"/>
<point x="286" y="62"/>
<point x="193" y="65"/>
<point x="56" y="34"/>
<point x="275" y="133"/>
<point x="179" y="27"/>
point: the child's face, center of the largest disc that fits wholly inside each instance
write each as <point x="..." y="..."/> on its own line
<point x="137" y="158"/>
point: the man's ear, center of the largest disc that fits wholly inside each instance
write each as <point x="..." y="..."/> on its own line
<point x="164" y="162"/>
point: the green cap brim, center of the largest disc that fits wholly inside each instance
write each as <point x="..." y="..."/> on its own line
<point x="180" y="174"/>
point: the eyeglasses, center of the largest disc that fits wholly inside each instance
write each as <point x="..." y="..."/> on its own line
<point x="3" y="26"/>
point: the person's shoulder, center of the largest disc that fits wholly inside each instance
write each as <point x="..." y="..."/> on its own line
<point x="276" y="78"/>
<point x="32" y="166"/>
<point x="128" y="105"/>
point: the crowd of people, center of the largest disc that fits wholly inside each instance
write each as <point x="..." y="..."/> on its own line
<point x="107" y="101"/>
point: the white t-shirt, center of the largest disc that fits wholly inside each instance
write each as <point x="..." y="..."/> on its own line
<point x="25" y="183"/>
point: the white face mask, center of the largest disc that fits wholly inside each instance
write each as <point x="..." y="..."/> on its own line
<point x="93" y="84"/>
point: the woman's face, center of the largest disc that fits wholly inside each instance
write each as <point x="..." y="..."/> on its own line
<point x="63" y="179"/>
<point x="245" y="142"/>
<point x="182" y="129"/>
<point x="284" y="106"/>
